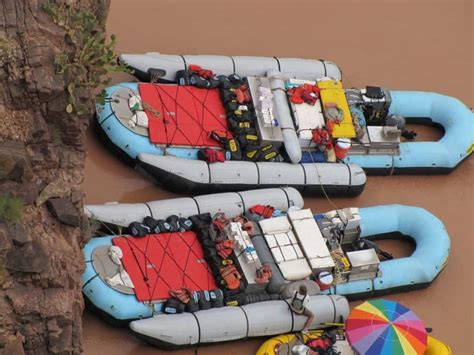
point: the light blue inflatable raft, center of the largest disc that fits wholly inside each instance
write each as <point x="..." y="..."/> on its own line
<point x="393" y="221"/>
<point x="455" y="118"/>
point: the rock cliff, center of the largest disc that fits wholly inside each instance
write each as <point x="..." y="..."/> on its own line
<point x="41" y="171"/>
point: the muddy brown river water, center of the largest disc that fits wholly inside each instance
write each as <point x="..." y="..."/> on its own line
<point x="405" y="45"/>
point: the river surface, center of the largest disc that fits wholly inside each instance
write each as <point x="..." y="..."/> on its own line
<point x="411" y="45"/>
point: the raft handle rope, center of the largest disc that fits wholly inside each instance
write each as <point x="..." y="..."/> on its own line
<point x="199" y="330"/>
<point x="322" y="186"/>
<point x="392" y="169"/>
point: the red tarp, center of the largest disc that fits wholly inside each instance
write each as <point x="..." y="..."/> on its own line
<point x="158" y="263"/>
<point x="186" y="114"/>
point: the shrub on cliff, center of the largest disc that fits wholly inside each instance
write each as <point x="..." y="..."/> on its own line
<point x="93" y="58"/>
<point x="10" y="209"/>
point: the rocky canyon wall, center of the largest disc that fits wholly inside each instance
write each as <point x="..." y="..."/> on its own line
<point x="42" y="227"/>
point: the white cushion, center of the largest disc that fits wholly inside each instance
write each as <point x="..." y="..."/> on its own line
<point x="289" y="253"/>
<point x="275" y="225"/>
<point x="311" y="239"/>
<point x="282" y="239"/>
<point x="295" y="270"/>
<point x="299" y="253"/>
<point x="292" y="237"/>
<point x="277" y="255"/>
<point x="271" y="241"/>
<point x="300" y="214"/>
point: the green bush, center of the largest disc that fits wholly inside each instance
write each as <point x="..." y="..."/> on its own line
<point x="11" y="209"/>
<point x="92" y="59"/>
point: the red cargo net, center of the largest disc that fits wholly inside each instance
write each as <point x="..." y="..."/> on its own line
<point x="158" y="263"/>
<point x="186" y="114"/>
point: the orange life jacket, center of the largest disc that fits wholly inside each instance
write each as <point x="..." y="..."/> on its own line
<point x="183" y="294"/>
<point x="224" y="248"/>
<point x="231" y="277"/>
<point x="264" y="211"/>
<point x="264" y="273"/>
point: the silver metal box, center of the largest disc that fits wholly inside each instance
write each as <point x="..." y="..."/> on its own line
<point x="267" y="135"/>
<point x="365" y="264"/>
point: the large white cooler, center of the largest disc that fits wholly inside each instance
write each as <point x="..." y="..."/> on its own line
<point x="311" y="240"/>
<point x="285" y="248"/>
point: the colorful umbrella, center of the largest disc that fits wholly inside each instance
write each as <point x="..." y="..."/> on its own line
<point x="385" y="327"/>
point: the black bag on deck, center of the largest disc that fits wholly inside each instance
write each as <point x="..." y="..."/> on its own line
<point x="248" y="141"/>
<point x="193" y="304"/>
<point x="227" y="95"/>
<point x="217" y="298"/>
<point x="185" y="224"/>
<point x="152" y="223"/>
<point x="204" y="300"/>
<point x="233" y="147"/>
<point x="267" y="153"/>
<point x="199" y="82"/>
<point x="173" y="306"/>
<point x="137" y="229"/>
<point x="374" y="92"/>
<point x="183" y="77"/>
<point x="173" y="222"/>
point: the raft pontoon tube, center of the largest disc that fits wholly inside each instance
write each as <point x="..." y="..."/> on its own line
<point x="239" y="322"/>
<point x="119" y="308"/>
<point x="440" y="157"/>
<point x="416" y="271"/>
<point x="226" y="65"/>
<point x="231" y="203"/>
<point x="196" y="176"/>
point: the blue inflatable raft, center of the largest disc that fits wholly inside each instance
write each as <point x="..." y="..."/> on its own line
<point x="163" y="161"/>
<point x="392" y="221"/>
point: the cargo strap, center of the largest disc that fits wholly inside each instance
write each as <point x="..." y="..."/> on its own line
<point x="392" y="169"/>
<point x="199" y="329"/>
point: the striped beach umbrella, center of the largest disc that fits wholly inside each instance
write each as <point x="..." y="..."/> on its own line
<point x="385" y="327"/>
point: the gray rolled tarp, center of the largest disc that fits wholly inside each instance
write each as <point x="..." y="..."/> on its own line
<point x="231" y="203"/>
<point x="283" y="115"/>
<point x="173" y="331"/>
<point x="195" y="176"/>
<point x="310" y="69"/>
